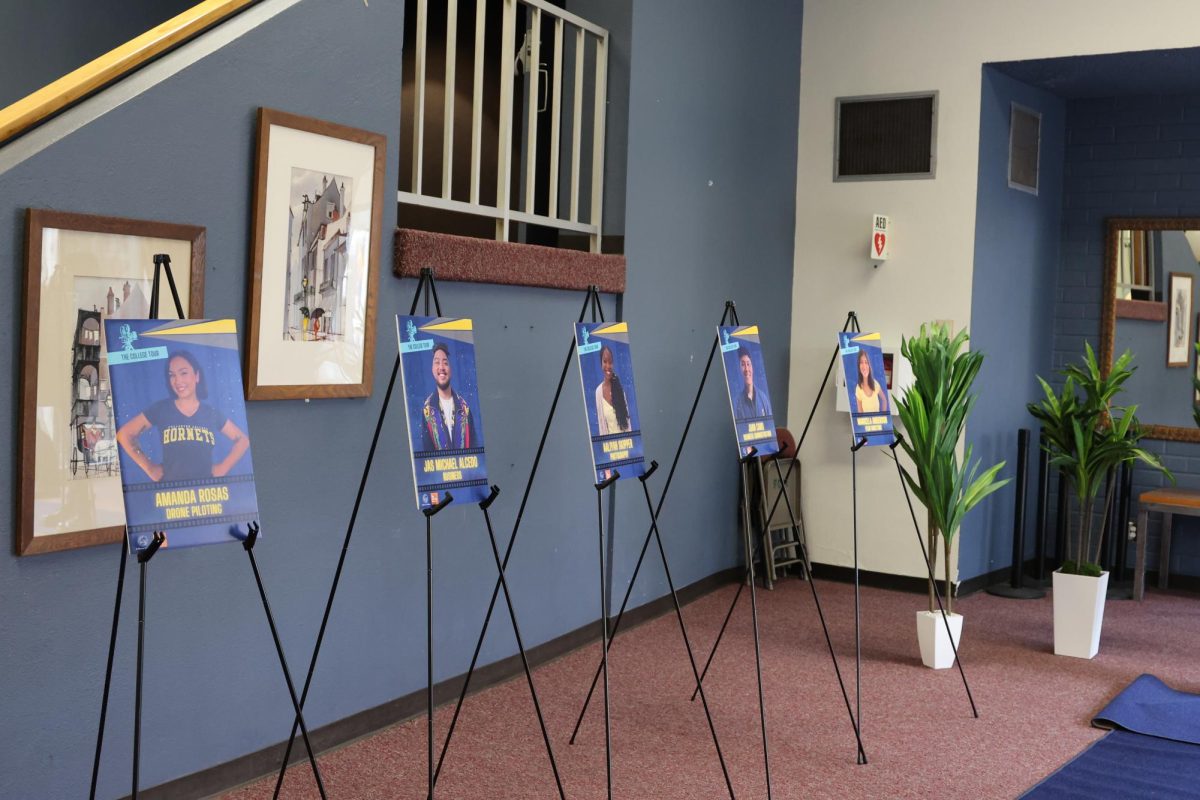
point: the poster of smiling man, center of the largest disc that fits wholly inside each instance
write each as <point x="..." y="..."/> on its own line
<point x="866" y="384"/>
<point x="749" y="398"/>
<point x="181" y="430"/>
<point x="441" y="397"/>
<point x="606" y="373"/>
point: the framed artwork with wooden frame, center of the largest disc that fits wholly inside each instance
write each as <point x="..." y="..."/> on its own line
<point x="1179" y="320"/>
<point x="80" y="269"/>
<point x="318" y="213"/>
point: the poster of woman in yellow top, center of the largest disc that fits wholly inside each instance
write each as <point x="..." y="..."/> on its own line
<point x="866" y="384"/>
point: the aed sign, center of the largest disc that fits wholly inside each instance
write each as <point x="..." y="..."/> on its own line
<point x="881" y="234"/>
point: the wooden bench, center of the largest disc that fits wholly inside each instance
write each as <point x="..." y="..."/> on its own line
<point x="1169" y="502"/>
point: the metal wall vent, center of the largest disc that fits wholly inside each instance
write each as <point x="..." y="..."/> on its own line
<point x="885" y="137"/>
<point x="1024" y="141"/>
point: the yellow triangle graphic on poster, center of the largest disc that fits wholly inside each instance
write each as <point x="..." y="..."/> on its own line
<point x="451" y="325"/>
<point x="616" y="327"/>
<point x="750" y="331"/>
<point x="866" y="337"/>
<point x="210" y="326"/>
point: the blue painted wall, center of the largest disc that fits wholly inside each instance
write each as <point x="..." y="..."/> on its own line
<point x="710" y="210"/>
<point x="1012" y="308"/>
<point x="1127" y="156"/>
<point x="43" y="41"/>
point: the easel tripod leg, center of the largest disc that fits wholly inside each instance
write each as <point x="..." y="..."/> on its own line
<point x="661" y="498"/>
<point x="287" y="675"/>
<point x="112" y="648"/>
<point x="512" y="539"/>
<point x="762" y="712"/>
<point x="604" y="644"/>
<point x="512" y="614"/>
<point x="933" y="581"/>
<point x="812" y="585"/>
<point x="687" y="643"/>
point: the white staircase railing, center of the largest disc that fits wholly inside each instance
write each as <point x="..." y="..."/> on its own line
<point x="515" y="194"/>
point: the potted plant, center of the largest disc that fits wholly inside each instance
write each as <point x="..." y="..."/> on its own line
<point x="934" y="411"/>
<point x="1087" y="436"/>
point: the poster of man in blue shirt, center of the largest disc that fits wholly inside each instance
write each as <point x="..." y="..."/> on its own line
<point x="185" y="457"/>
<point x="749" y="399"/>
<point x="441" y="396"/>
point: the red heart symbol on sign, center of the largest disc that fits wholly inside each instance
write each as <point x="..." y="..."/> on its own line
<point x="880" y="240"/>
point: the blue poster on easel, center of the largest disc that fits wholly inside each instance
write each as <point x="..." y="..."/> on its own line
<point x="749" y="398"/>
<point x="866" y="385"/>
<point x="181" y="429"/>
<point x="441" y="397"/>
<point x="609" y="396"/>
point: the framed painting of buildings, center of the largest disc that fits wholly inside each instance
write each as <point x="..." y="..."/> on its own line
<point x="318" y="211"/>
<point x="79" y="270"/>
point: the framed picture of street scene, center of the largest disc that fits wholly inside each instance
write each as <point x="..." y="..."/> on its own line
<point x="79" y="271"/>
<point x="318" y="211"/>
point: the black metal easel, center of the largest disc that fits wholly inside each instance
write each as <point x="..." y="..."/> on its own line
<point x="426" y="290"/>
<point x="592" y="300"/>
<point x="730" y="315"/>
<point x="162" y="262"/>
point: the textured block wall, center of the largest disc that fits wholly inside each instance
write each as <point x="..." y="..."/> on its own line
<point x="1127" y="156"/>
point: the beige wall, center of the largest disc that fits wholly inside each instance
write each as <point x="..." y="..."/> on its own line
<point x="862" y="47"/>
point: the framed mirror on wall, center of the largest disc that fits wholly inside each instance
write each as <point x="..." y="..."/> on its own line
<point x="1149" y="308"/>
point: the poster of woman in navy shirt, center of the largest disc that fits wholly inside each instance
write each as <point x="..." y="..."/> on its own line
<point x="184" y="447"/>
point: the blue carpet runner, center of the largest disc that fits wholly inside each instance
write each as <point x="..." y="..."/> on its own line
<point x="1152" y="751"/>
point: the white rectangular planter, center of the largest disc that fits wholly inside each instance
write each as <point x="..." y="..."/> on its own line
<point x="936" y="652"/>
<point x="1078" y="613"/>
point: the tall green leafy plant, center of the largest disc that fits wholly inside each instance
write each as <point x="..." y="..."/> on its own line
<point x="934" y="411"/>
<point x="1087" y="435"/>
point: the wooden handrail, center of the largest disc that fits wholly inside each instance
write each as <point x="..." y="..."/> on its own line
<point x="54" y="97"/>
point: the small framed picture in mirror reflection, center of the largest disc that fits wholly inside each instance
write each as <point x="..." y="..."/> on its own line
<point x="1179" y="320"/>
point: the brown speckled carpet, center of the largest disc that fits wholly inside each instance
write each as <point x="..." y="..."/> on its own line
<point x="917" y="727"/>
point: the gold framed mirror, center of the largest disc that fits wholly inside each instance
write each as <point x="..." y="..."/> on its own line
<point x="1152" y="268"/>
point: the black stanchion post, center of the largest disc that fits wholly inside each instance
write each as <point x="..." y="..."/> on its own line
<point x="248" y="545"/>
<point x="600" y="487"/>
<point x="1043" y="510"/>
<point x="1061" y="520"/>
<point x="1015" y="588"/>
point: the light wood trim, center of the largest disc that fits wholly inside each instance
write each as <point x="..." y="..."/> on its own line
<point x="52" y="98"/>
